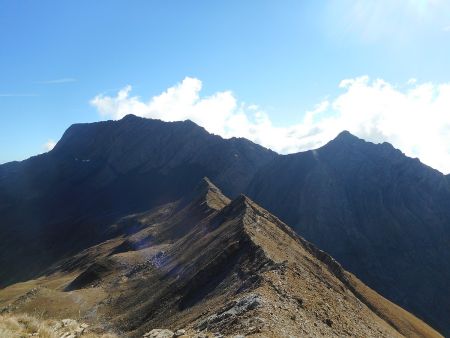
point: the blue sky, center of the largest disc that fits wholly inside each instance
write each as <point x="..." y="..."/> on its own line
<point x="285" y="57"/>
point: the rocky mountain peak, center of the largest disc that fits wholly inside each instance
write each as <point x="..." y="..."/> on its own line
<point x="208" y="193"/>
<point x="345" y="138"/>
<point x="345" y="134"/>
<point x="131" y="117"/>
<point x="239" y="204"/>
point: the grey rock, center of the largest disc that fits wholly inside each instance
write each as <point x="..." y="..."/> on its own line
<point x="159" y="333"/>
<point x="233" y="309"/>
<point x="179" y="333"/>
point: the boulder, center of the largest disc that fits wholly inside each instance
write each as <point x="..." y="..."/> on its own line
<point x="159" y="333"/>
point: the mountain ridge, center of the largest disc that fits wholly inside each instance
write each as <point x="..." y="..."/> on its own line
<point x="100" y="172"/>
<point x="377" y="211"/>
<point x="237" y="270"/>
<point x="384" y="213"/>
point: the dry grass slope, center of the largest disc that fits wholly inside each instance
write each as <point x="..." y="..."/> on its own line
<point x="204" y="265"/>
<point x="24" y="325"/>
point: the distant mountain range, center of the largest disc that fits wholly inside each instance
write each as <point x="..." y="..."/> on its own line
<point x="385" y="217"/>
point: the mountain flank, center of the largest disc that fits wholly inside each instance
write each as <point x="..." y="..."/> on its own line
<point x="384" y="216"/>
<point x="236" y="270"/>
<point x="58" y="203"/>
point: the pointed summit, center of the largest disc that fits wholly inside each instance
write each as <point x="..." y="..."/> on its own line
<point x="346" y="136"/>
<point x="239" y="204"/>
<point x="344" y="139"/>
<point x="130" y="117"/>
<point x="345" y="133"/>
<point x="207" y="193"/>
<point x="213" y="196"/>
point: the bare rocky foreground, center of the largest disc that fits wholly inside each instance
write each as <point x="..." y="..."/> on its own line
<point x="205" y="266"/>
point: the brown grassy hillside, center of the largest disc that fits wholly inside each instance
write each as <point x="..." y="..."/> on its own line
<point x="207" y="265"/>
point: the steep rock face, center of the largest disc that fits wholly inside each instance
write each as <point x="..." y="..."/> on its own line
<point x="236" y="269"/>
<point x="138" y="145"/>
<point x="384" y="216"/>
<point x="61" y="201"/>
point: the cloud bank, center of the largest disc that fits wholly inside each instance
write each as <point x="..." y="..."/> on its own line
<point x="414" y="117"/>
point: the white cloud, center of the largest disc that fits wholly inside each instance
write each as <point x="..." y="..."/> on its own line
<point x="49" y="145"/>
<point x="414" y="117"/>
<point x="177" y="103"/>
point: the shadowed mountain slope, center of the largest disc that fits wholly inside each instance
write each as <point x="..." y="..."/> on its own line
<point x="60" y="202"/>
<point x="236" y="269"/>
<point x="381" y="214"/>
<point x="384" y="216"/>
